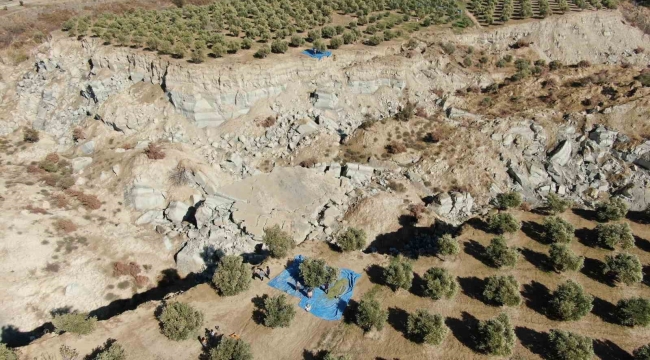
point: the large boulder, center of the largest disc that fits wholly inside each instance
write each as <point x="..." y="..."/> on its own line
<point x="177" y="211"/>
<point x="561" y="155"/>
<point x="213" y="207"/>
<point x="142" y="197"/>
<point x="80" y="163"/>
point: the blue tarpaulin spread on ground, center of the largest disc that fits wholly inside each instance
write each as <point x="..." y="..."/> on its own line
<point x="321" y="306"/>
<point x="317" y="54"/>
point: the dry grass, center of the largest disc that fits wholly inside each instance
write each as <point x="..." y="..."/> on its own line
<point x="154" y="152"/>
<point x="65" y="226"/>
<point x="122" y="269"/>
<point x="89" y="201"/>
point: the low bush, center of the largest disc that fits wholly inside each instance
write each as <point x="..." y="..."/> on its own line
<point x="76" y="323"/>
<point x="179" y="321"/>
<point x="7" y="353"/>
<point x="555" y="204"/>
<point x="110" y="351"/>
<point x="352" y="239"/>
<point x="31" y="136"/>
<point x="642" y="353"/>
<point x="505" y="201"/>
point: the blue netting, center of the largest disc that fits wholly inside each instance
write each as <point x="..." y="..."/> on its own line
<point x="321" y="306"/>
<point x="317" y="54"/>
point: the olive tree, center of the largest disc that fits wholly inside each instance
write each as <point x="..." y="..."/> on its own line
<point x="642" y="353"/>
<point x="179" y="321"/>
<point x="502" y="223"/>
<point x="634" y="311"/>
<point x="232" y="276"/>
<point x="111" y="351"/>
<point x="399" y="273"/>
<point x="278" y="241"/>
<point x="439" y="283"/>
<point x="502" y="290"/>
<point x="370" y="314"/>
<point x="316" y="273"/>
<point x="351" y="239"/>
<point x="570" y="302"/>
<point x="425" y="327"/>
<point x="496" y="336"/>
<point x="563" y="259"/>
<point x="555" y="204"/>
<point x="625" y="267"/>
<point x="557" y="230"/>
<point x="447" y="246"/>
<point x="611" y="235"/>
<point x="76" y="323"/>
<point x="499" y="254"/>
<point x="231" y="349"/>
<point x="569" y="346"/>
<point x="612" y="210"/>
<point x="508" y="200"/>
<point x="278" y="312"/>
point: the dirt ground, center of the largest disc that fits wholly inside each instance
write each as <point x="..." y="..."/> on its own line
<point x="138" y="330"/>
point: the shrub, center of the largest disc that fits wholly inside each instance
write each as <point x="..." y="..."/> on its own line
<point x="31" y="136"/>
<point x="634" y="311"/>
<point x="508" y="200"/>
<point x="570" y="302"/>
<point x="563" y="259"/>
<point x="626" y="268"/>
<point x="557" y="230"/>
<point x="370" y="314"/>
<point x="352" y="239"/>
<point x="319" y="45"/>
<point x="262" y="52"/>
<point x="611" y="235"/>
<point x="555" y="65"/>
<point x="503" y="222"/>
<point x="6" y="353"/>
<point x="467" y="61"/>
<point x="336" y="42"/>
<point x="328" y="32"/>
<point x="278" y="312"/>
<point x="448" y="48"/>
<point x="395" y="147"/>
<point x="279" y="46"/>
<point x="499" y="254"/>
<point x="231" y="349"/>
<point x="406" y="112"/>
<point x="612" y="210"/>
<point x="439" y="283"/>
<point x="399" y="273"/>
<point x="555" y="204"/>
<point x="65" y="226"/>
<point x="502" y="290"/>
<point x="78" y="134"/>
<point x="314" y="35"/>
<point x="375" y="40"/>
<point x="111" y="351"/>
<point x="570" y="346"/>
<point x="496" y="336"/>
<point x="642" y="353"/>
<point x="179" y="321"/>
<point x="68" y="353"/>
<point x="278" y="241"/>
<point x="154" y="152"/>
<point x="329" y="356"/>
<point x="425" y="327"/>
<point x="315" y="273"/>
<point x="297" y="41"/>
<point x="232" y="276"/>
<point x="76" y="323"/>
<point x="349" y="37"/>
<point x="447" y="246"/>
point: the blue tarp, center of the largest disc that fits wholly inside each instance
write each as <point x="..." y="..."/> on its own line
<point x="321" y="306"/>
<point x="317" y="54"/>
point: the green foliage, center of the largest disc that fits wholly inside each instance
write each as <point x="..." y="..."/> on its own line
<point x="496" y="336"/>
<point x="499" y="254"/>
<point x="555" y="65"/>
<point x="111" y="351"/>
<point x="467" y="61"/>
<point x="447" y="246"/>
<point x="296" y="41"/>
<point x="314" y="35"/>
<point x="328" y="32"/>
<point x="634" y="311"/>
<point x="336" y="42"/>
<point x="370" y="314"/>
<point x="503" y="290"/>
<point x="563" y="259"/>
<point x="76" y="323"/>
<point x="625" y="267"/>
<point x="6" y="353"/>
<point x="642" y="353"/>
<point x="557" y="230"/>
<point x="278" y="312"/>
<point x="232" y="276"/>
<point x="198" y="56"/>
<point x="375" y="40"/>
<point x="231" y="349"/>
<point x="349" y="37"/>
<point x="569" y="346"/>
<point x="544" y="8"/>
<point x="278" y="241"/>
<point x="508" y="200"/>
<point x="262" y="52"/>
<point x="315" y="273"/>
<point x="31" y="135"/>
<point x="399" y="273"/>
<point x="329" y="356"/>
<point x="611" y="235"/>
<point x="554" y="203"/>
<point x="279" y="46"/>
<point x="319" y="45"/>
<point x="526" y="9"/>
<point x="352" y="239"/>
<point x="68" y="353"/>
<point x="612" y="210"/>
<point x="179" y="321"/>
<point x="502" y="223"/>
<point x="570" y="302"/>
<point x="425" y="327"/>
<point x="439" y="283"/>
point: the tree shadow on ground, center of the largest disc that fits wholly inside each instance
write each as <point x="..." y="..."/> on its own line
<point x="540" y="260"/>
<point x="534" y="231"/>
<point x="638" y="217"/>
<point x="477" y="251"/>
<point x="536" y="296"/>
<point x="478" y="224"/>
<point x="96" y="351"/>
<point x="375" y="274"/>
<point x="607" y="350"/>
<point x="593" y="269"/>
<point x="258" y="312"/>
<point x="398" y="319"/>
<point x="646" y="275"/>
<point x="587" y="237"/>
<point x="472" y="287"/>
<point x="418" y="285"/>
<point x="314" y="354"/>
<point x="585" y="214"/>
<point x="464" y="329"/>
<point x="350" y="312"/>
<point x="605" y="310"/>
<point x="642" y="243"/>
<point x="395" y="242"/>
<point x="535" y="341"/>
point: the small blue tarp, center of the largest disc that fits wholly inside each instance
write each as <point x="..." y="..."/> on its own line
<point x="321" y="306"/>
<point x="317" y="54"/>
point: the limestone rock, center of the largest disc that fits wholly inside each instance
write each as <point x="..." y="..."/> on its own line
<point x="145" y="198"/>
<point x="561" y="155"/>
<point x="80" y="163"/>
<point x="88" y="147"/>
<point x="176" y="211"/>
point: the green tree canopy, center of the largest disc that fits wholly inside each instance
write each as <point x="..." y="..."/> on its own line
<point x="425" y="327"/>
<point x="625" y="267"/>
<point x="278" y="241"/>
<point x="232" y="276"/>
<point x="499" y="254"/>
<point x="570" y="302"/>
<point x="570" y="346"/>
<point x="316" y="273"/>
<point x="503" y="290"/>
<point x="439" y="283"/>
<point x="179" y="321"/>
<point x="496" y="336"/>
<point x="399" y="273"/>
